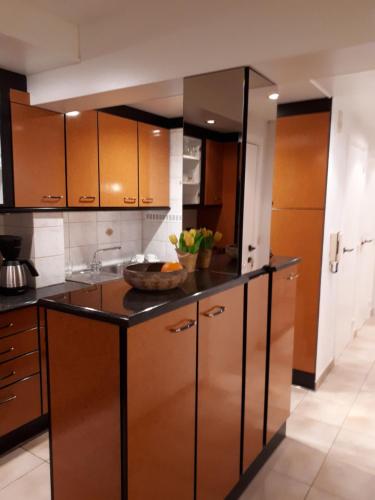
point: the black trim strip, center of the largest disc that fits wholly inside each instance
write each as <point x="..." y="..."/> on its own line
<point x="268" y="352"/>
<point x="143" y="116"/>
<point x="304" y="107"/>
<point x="196" y="407"/>
<point x="244" y="353"/>
<point x="10" y="210"/>
<point x="18" y="436"/>
<point x="304" y="379"/>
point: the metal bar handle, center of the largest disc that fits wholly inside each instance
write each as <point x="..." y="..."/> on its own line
<point x="186" y="326"/>
<point x="348" y="250"/>
<point x="147" y="200"/>
<point x="214" y="311"/>
<point x="11" y="349"/>
<point x="129" y="199"/>
<point x="52" y="197"/>
<point x="364" y="242"/>
<point x="7" y="400"/>
<point x="11" y="374"/>
<point x="8" y="325"/>
<point x="87" y="199"/>
<point x="292" y="277"/>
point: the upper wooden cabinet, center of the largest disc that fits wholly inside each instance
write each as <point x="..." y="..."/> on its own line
<point x="219" y="393"/>
<point x="118" y="161"/>
<point x="213" y="173"/>
<point x="82" y="159"/>
<point x="301" y="161"/>
<point x="153" y="165"/>
<point x="38" y="157"/>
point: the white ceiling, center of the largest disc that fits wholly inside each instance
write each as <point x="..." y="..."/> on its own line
<point x="76" y="49"/>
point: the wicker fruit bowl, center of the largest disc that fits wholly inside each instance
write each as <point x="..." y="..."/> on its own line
<point x="148" y="276"/>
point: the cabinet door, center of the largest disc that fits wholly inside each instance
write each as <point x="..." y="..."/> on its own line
<point x="38" y="157"/>
<point x="153" y="165"/>
<point x="161" y="406"/>
<point x="118" y="161"/>
<point x="255" y="381"/>
<point x="281" y="348"/>
<point x="219" y="393"/>
<point x="82" y="159"/>
<point x="213" y="173"/>
<point x="301" y="161"/>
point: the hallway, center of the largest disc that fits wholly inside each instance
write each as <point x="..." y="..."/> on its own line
<point x="329" y="452"/>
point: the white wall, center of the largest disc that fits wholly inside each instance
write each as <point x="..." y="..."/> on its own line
<point x="349" y="196"/>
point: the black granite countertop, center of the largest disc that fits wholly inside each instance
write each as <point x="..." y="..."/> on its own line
<point x="31" y="296"/>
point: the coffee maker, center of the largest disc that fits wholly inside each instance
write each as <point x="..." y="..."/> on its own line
<point x="13" y="277"/>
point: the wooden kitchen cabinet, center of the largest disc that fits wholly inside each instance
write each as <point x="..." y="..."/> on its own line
<point x="153" y="165"/>
<point x="284" y="286"/>
<point x="161" y="406"/>
<point x="38" y="157"/>
<point x="82" y="159"/>
<point x="213" y="173"/>
<point x="220" y="345"/>
<point x="255" y="369"/>
<point x="118" y="161"/>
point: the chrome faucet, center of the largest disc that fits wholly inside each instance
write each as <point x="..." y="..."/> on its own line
<point x="95" y="263"/>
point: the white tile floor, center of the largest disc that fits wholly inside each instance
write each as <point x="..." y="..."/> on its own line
<point x="329" y="452"/>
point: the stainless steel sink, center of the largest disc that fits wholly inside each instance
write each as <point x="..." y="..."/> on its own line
<point x="90" y="277"/>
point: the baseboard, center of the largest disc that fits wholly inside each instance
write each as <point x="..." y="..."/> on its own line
<point x="27" y="431"/>
<point x="258" y="463"/>
<point x="323" y="376"/>
<point x="304" y="379"/>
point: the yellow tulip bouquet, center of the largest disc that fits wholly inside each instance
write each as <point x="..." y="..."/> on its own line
<point x="188" y="242"/>
<point x="210" y="238"/>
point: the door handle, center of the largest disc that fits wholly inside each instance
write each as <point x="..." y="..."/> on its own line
<point x="52" y="197"/>
<point x="129" y="199"/>
<point x="348" y="250"/>
<point x="186" y="326"/>
<point x="251" y="248"/>
<point x="11" y="349"/>
<point x="147" y="200"/>
<point x="364" y="242"/>
<point x="214" y="311"/>
<point x="87" y="199"/>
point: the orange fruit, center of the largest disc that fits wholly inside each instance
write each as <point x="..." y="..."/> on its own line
<point x="171" y="266"/>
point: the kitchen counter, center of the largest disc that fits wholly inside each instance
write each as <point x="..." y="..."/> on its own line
<point x="31" y="296"/>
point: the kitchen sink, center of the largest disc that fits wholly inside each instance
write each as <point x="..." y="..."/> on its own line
<point x="90" y="277"/>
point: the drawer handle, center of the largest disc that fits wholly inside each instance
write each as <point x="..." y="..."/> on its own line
<point x="186" y="326"/>
<point x="215" y="311"/>
<point x="11" y="374"/>
<point x="147" y="200"/>
<point x="11" y="349"/>
<point x="87" y="199"/>
<point x="129" y="199"/>
<point x="292" y="277"/>
<point x="52" y="197"/>
<point x="9" y="325"/>
<point x="7" y="400"/>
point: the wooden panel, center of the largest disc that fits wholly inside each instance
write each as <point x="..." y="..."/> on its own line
<point x="219" y="394"/>
<point x="17" y="321"/>
<point x="256" y="346"/>
<point x="281" y="348"/>
<point x="300" y="233"/>
<point x="213" y="184"/>
<point x="153" y="165"/>
<point x="226" y="224"/>
<point x="301" y="160"/>
<point x="16" y="369"/>
<point x="19" y="404"/>
<point x="16" y="345"/>
<point x="19" y="96"/>
<point x="82" y="159"/>
<point x="161" y="408"/>
<point x="38" y="157"/>
<point x="118" y="161"/>
<point x="84" y="407"/>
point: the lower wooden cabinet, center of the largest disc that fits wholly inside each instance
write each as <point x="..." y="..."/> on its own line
<point x="255" y="378"/>
<point x="284" y="285"/>
<point x="161" y="406"/>
<point x="219" y="393"/>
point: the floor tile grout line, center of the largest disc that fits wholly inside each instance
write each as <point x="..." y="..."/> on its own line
<point x="35" y="455"/>
<point x="22" y="475"/>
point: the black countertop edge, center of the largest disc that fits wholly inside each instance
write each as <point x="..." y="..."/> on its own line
<point x="278" y="263"/>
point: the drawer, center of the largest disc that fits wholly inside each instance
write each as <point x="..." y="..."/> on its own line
<point x="19" y="368"/>
<point x="19" y="404"/>
<point x="18" y="321"/>
<point x="16" y="345"/>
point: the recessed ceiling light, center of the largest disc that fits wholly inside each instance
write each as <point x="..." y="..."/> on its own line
<point x="211" y="121"/>
<point x="72" y="113"/>
<point x="274" y="96"/>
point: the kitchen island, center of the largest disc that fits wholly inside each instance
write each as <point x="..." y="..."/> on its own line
<point x="165" y="395"/>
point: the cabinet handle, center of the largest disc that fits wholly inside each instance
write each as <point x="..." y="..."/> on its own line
<point x="186" y="326"/>
<point x="348" y="250"/>
<point x="11" y="374"/>
<point x="292" y="277"/>
<point x="214" y="311"/>
<point x="147" y="200"/>
<point x="364" y="242"/>
<point x="52" y="197"/>
<point x="87" y="199"/>
<point x="11" y="349"/>
<point x="7" y="400"/>
<point x="129" y="199"/>
<point x="8" y="325"/>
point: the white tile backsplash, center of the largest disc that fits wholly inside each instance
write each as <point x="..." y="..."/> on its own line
<point x="82" y="233"/>
<point x="48" y="241"/>
<point x="51" y="270"/>
<point x="108" y="231"/>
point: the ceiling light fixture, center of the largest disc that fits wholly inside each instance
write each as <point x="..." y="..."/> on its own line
<point x="72" y="113"/>
<point x="274" y="96"/>
<point x="211" y="121"/>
